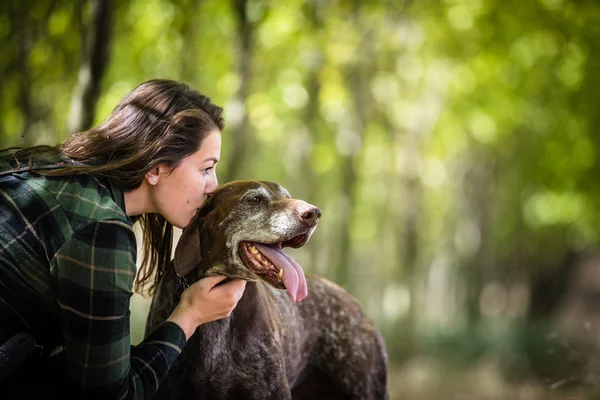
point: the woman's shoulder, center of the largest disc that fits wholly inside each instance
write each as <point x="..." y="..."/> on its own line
<point x="76" y="200"/>
<point x="87" y="198"/>
<point x="59" y="207"/>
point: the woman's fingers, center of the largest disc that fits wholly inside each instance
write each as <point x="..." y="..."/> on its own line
<point x="210" y="282"/>
<point x="228" y="293"/>
<point x="206" y="300"/>
<point x="233" y="288"/>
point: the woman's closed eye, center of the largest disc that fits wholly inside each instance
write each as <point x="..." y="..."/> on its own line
<point x="206" y="171"/>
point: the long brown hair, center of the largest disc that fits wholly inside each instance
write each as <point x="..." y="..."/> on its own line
<point x="159" y="122"/>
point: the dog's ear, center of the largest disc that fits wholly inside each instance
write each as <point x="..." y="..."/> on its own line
<point x="188" y="252"/>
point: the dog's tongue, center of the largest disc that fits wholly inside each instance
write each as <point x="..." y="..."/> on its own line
<point x="293" y="275"/>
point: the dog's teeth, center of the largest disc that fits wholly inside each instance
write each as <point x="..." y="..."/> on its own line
<point x="253" y="250"/>
<point x="281" y="273"/>
<point x="264" y="262"/>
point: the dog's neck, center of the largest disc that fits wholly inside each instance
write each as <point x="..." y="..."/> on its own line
<point x="253" y="311"/>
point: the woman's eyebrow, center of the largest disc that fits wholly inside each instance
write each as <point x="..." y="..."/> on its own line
<point x="213" y="159"/>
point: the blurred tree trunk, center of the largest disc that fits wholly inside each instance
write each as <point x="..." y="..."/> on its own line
<point x="26" y="33"/>
<point x="96" y="43"/>
<point x="241" y="131"/>
<point x="189" y="33"/>
<point x="343" y="268"/>
<point x="478" y="188"/>
<point x="415" y="139"/>
<point x="409" y="234"/>
<point x="311" y="115"/>
<point x="351" y="143"/>
<point x="25" y="43"/>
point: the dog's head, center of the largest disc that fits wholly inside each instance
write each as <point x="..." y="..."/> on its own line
<point x="240" y="233"/>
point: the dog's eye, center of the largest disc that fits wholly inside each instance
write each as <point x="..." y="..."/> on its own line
<point x="256" y="199"/>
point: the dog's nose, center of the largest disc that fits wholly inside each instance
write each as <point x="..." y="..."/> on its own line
<point x="310" y="215"/>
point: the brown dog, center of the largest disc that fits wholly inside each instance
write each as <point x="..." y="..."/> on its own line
<point x="275" y="344"/>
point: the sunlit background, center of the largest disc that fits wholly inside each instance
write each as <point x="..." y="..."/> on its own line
<point x="451" y="145"/>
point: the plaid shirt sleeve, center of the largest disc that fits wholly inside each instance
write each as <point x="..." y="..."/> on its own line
<point x="95" y="269"/>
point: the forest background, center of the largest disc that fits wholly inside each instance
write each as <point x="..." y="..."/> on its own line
<point x="451" y="145"/>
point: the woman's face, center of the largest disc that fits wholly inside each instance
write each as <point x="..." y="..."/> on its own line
<point x="178" y="193"/>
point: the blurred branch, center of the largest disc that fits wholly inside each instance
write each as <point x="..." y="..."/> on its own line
<point x="93" y="66"/>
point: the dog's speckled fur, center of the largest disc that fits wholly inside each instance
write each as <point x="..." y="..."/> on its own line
<point x="323" y="347"/>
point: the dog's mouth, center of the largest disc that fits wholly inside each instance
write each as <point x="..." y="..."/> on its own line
<point x="273" y="266"/>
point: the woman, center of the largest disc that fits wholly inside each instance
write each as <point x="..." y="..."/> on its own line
<point x="68" y="250"/>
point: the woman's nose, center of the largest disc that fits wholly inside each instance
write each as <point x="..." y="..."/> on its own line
<point x="211" y="185"/>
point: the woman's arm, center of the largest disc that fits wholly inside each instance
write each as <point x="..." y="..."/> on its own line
<point x="95" y="270"/>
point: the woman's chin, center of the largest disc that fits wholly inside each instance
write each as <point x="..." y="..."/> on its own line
<point x="180" y="223"/>
<point x="182" y="220"/>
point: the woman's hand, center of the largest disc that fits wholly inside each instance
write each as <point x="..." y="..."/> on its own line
<point x="204" y="302"/>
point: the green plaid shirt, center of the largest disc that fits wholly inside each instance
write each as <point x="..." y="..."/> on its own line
<point x="67" y="265"/>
